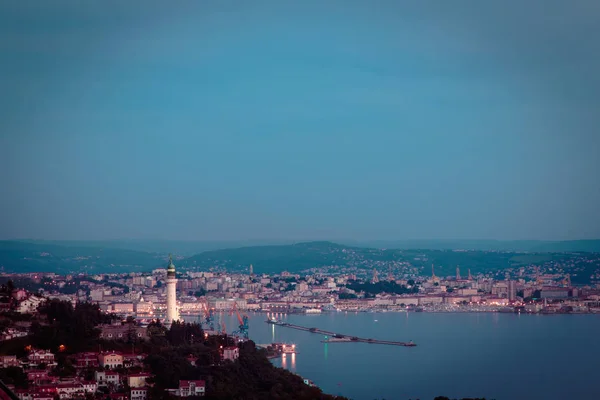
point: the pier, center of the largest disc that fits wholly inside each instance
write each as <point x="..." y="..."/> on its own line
<point x="340" y="337"/>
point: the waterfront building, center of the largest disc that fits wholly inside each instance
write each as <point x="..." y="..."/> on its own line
<point x="512" y="290"/>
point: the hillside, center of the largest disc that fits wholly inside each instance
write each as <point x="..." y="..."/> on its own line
<point x="542" y="246"/>
<point x="24" y="257"/>
<point x="273" y="259"/>
<point x="303" y="256"/>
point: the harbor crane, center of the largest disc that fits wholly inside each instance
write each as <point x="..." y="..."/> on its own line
<point x="243" y="323"/>
<point x="208" y="316"/>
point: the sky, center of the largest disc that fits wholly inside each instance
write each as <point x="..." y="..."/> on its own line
<point x="219" y="120"/>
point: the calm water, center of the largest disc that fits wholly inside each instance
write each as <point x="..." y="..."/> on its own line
<point x="499" y="356"/>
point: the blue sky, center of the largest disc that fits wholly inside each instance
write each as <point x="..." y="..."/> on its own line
<point x="300" y="120"/>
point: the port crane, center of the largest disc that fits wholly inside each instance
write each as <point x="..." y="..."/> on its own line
<point x="208" y="316"/>
<point x="243" y="323"/>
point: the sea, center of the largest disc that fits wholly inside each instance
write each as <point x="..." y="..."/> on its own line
<point x="492" y="355"/>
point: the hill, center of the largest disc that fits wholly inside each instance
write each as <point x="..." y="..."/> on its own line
<point x="25" y="257"/>
<point x="542" y="246"/>
<point x="303" y="256"/>
<point x="181" y="247"/>
<point x="273" y="259"/>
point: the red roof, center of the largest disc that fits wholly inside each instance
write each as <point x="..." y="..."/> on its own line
<point x="186" y="384"/>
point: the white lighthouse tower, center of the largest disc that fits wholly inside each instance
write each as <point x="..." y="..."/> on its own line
<point x="172" y="314"/>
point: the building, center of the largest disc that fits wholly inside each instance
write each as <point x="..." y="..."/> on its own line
<point x="110" y="360"/>
<point x="191" y="388"/>
<point x="172" y="314"/>
<point x="37" y="376"/>
<point x="123" y="332"/>
<point x="37" y="357"/>
<point x="70" y="390"/>
<point x="86" y="360"/>
<point x="138" y="394"/>
<point x="90" y="386"/>
<point x="231" y="353"/>
<point x="106" y="378"/>
<point x="512" y="290"/>
<point x="8" y="361"/>
<point x="137" y="380"/>
<point x="554" y="293"/>
<point x="30" y="305"/>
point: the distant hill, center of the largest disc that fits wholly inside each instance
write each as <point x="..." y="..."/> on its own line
<point x="16" y="256"/>
<point x="272" y="259"/>
<point x="303" y="256"/>
<point x="40" y="256"/>
<point x="180" y="247"/>
<point x="533" y="246"/>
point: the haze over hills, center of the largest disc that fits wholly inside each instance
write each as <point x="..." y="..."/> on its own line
<point x="192" y="247"/>
<point x="533" y="246"/>
<point x="16" y="256"/>
<point x="93" y="257"/>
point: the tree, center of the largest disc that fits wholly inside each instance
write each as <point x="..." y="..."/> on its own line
<point x="14" y="376"/>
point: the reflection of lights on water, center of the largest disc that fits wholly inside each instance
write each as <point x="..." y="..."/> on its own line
<point x="293" y="361"/>
<point x="273" y="331"/>
<point x="284" y="361"/>
<point x="325" y="347"/>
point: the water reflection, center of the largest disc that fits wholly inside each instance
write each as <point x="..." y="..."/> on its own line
<point x="273" y="333"/>
<point x="284" y="361"/>
<point x="293" y="362"/>
<point x="325" y="348"/>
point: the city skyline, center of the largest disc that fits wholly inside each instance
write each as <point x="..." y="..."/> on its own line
<point x="300" y="121"/>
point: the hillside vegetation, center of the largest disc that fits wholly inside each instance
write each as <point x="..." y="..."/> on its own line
<point x="24" y="257"/>
<point x="304" y="256"/>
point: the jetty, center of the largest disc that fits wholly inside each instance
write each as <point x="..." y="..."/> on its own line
<point x="339" y="337"/>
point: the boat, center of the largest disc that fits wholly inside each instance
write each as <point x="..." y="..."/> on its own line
<point x="284" y="348"/>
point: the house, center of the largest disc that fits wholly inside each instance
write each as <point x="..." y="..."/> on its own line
<point x="37" y="376"/>
<point x="23" y="394"/>
<point x="123" y="332"/>
<point x="231" y="353"/>
<point x="191" y="388"/>
<point x="42" y="396"/>
<point x="86" y="360"/>
<point x="133" y="360"/>
<point x="37" y="357"/>
<point x="8" y="361"/>
<point x="70" y="390"/>
<point x="90" y="386"/>
<point x="19" y="294"/>
<point x="105" y="378"/>
<point x="111" y="359"/>
<point x="140" y="393"/>
<point x="29" y="305"/>
<point x="137" y="380"/>
<point x="49" y="390"/>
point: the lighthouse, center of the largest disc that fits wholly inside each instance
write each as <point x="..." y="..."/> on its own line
<point x="172" y="314"/>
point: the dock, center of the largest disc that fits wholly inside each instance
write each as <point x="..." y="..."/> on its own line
<point x="340" y="337"/>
